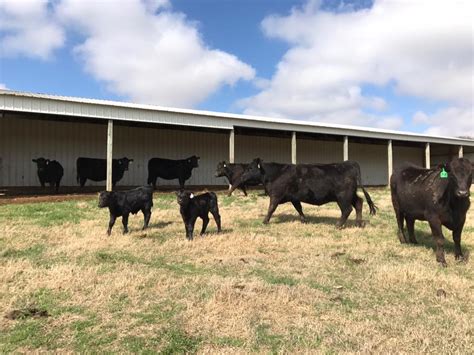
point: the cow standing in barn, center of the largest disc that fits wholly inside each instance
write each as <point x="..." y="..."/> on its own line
<point x="96" y="169"/>
<point x="170" y="169"/>
<point x="439" y="196"/>
<point x="316" y="184"/>
<point x="49" y="171"/>
<point x="122" y="203"/>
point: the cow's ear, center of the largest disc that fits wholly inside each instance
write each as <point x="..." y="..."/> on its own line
<point x="47" y="161"/>
<point x="34" y="160"/>
<point x="130" y="161"/>
<point x="191" y="196"/>
<point x="447" y="167"/>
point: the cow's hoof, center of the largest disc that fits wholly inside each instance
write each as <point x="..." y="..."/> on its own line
<point x="443" y="263"/>
<point x="460" y="258"/>
<point x="413" y="241"/>
<point x="360" y="224"/>
<point x="265" y="222"/>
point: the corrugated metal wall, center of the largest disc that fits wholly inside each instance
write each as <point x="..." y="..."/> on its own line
<point x="372" y="159"/>
<point x="313" y="151"/>
<point x="24" y="139"/>
<point x="141" y="144"/>
<point x="269" y="149"/>
<point x="408" y="154"/>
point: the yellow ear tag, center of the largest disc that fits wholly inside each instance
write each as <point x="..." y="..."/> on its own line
<point x="443" y="174"/>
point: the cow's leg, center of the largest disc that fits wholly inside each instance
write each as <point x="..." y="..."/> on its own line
<point x="146" y="217"/>
<point x="111" y="223"/>
<point x="217" y="217"/>
<point x="400" y="220"/>
<point x="299" y="208"/>
<point x="244" y="190"/>
<point x="271" y="208"/>
<point x="190" y="228"/>
<point x="82" y="181"/>
<point x="205" y="222"/>
<point x="57" y="186"/>
<point x="346" y="210"/>
<point x="358" y="204"/>
<point x="411" y="229"/>
<point x="435" y="225"/>
<point x="181" y="183"/>
<point x="231" y="189"/>
<point x="125" y="223"/>
<point x="457" y="242"/>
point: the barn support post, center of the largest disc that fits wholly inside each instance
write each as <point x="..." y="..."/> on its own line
<point x="110" y="139"/>
<point x="293" y="147"/>
<point x="232" y="147"/>
<point x="460" y="151"/>
<point x="427" y="156"/>
<point x="389" y="160"/>
<point x="345" y="148"/>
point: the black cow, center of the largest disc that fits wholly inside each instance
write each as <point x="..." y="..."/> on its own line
<point x="439" y="196"/>
<point x="191" y="207"/>
<point x="122" y="203"/>
<point x="169" y="169"/>
<point x="96" y="169"/>
<point x="233" y="173"/>
<point x="49" y="171"/>
<point x="315" y="184"/>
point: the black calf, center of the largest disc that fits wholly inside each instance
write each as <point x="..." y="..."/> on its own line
<point x="122" y="203"/>
<point x="192" y="207"/>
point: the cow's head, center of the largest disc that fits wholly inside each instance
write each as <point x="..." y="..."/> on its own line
<point x="41" y="163"/>
<point x="124" y="162"/>
<point x="105" y="199"/>
<point x="221" y="169"/>
<point x="184" y="197"/>
<point x="193" y="161"/>
<point x="460" y="175"/>
<point x="254" y="171"/>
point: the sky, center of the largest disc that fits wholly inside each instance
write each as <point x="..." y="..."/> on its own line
<point x="393" y="64"/>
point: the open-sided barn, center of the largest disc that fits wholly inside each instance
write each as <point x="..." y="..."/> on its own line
<point x="65" y="128"/>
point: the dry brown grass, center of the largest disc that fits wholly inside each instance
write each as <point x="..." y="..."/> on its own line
<point x="285" y="287"/>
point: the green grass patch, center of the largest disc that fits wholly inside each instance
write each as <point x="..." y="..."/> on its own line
<point x="50" y="213"/>
<point x="273" y="279"/>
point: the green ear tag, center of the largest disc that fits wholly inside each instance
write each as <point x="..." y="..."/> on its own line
<point x="443" y="174"/>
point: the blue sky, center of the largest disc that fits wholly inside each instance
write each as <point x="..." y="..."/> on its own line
<point x="405" y="65"/>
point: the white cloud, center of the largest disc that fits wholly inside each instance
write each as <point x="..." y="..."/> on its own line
<point x="27" y="27"/>
<point x="144" y="51"/>
<point x="3" y="87"/>
<point x="451" y="121"/>
<point x="423" y="48"/>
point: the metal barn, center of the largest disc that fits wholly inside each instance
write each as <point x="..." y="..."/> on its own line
<point x="65" y="128"/>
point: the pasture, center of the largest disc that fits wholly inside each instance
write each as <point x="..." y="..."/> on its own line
<point x="282" y="287"/>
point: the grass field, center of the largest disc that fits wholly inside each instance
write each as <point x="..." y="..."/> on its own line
<point x="282" y="287"/>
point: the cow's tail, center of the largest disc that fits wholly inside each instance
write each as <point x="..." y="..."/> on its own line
<point x="372" y="206"/>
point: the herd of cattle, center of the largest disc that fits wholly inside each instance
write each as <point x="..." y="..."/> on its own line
<point x="439" y="195"/>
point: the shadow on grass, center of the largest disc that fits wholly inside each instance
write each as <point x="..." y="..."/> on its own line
<point x="160" y="224"/>
<point x="426" y="240"/>
<point x="331" y="221"/>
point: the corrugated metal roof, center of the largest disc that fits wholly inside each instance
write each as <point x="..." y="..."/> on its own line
<point x="105" y="109"/>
